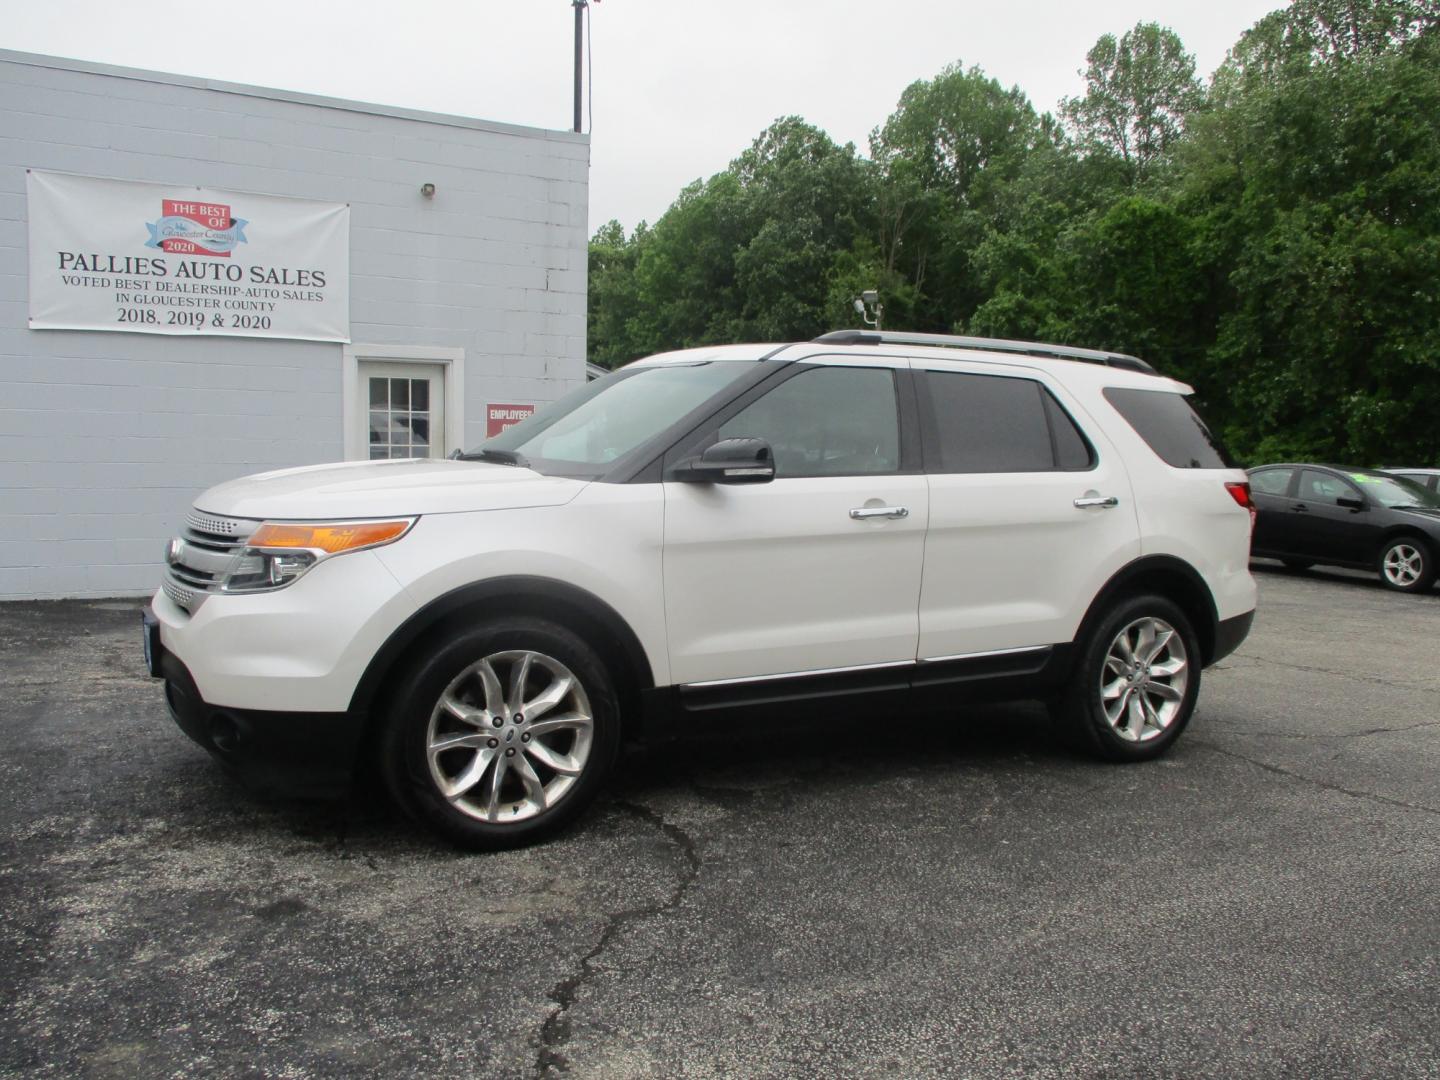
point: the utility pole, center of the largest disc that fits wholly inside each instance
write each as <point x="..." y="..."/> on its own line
<point x="579" y="6"/>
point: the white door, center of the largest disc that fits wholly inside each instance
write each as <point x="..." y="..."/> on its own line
<point x="402" y="408"/>
<point x="775" y="578"/>
<point x="1029" y="515"/>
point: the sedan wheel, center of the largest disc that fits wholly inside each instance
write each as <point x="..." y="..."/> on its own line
<point x="1405" y="565"/>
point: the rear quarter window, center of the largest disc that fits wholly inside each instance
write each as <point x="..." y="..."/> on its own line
<point x="1170" y="427"/>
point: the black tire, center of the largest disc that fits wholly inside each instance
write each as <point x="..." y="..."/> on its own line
<point x="1406" y="564"/>
<point x="1297" y="564"/>
<point x="1080" y="713"/>
<point x="415" y="718"/>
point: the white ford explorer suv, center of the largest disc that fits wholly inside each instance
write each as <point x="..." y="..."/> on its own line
<point x="888" y="520"/>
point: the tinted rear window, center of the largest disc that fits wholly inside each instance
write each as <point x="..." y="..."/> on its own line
<point x="1173" y="429"/>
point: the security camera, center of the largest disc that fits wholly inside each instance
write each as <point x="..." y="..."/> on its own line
<point x="870" y="296"/>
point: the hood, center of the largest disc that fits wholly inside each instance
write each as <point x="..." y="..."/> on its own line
<point x="367" y="489"/>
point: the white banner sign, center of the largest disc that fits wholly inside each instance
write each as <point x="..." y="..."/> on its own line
<point x="171" y="259"/>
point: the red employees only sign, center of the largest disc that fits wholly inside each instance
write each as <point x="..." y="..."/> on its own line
<point x="499" y="417"/>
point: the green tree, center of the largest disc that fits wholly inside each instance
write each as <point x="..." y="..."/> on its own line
<point x="1285" y="259"/>
<point x="946" y="155"/>
<point x="613" y="300"/>
<point x="1139" y="90"/>
<point x="1320" y="190"/>
<point x="748" y="254"/>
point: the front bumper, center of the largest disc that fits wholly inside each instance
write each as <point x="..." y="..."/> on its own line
<point x="301" y="649"/>
<point x="310" y="754"/>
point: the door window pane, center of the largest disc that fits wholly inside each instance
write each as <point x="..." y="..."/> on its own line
<point x="1271" y="481"/>
<point x="991" y="423"/>
<point x="1318" y="487"/>
<point x="828" y="421"/>
<point x="399" y="429"/>
<point x="1073" y="452"/>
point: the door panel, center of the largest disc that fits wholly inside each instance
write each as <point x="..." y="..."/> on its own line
<point x="1270" y="492"/>
<point x="782" y="577"/>
<point x="773" y="578"/>
<point x="1011" y="561"/>
<point x="1330" y="532"/>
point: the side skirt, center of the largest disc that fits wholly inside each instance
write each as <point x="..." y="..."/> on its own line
<point x="931" y="685"/>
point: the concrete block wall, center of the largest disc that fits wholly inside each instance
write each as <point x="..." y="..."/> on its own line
<point x="106" y="438"/>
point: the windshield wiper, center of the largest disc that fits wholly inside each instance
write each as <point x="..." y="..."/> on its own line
<point x="498" y="457"/>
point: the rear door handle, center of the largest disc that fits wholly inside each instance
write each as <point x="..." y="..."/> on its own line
<point x="1104" y="502"/>
<point x="1300" y="508"/>
<point x="864" y="512"/>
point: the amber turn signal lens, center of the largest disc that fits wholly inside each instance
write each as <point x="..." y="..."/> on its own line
<point x="331" y="539"/>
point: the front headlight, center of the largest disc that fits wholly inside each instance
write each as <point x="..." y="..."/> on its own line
<point x="280" y="552"/>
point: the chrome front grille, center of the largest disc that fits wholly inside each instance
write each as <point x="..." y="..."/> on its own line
<point x="181" y="596"/>
<point x="221" y="529"/>
<point x="202" y="555"/>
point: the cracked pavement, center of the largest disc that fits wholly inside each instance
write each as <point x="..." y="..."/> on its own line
<point x="879" y="896"/>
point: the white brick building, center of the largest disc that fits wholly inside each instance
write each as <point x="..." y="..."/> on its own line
<point x="472" y="296"/>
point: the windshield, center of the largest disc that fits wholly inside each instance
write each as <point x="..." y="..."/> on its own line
<point x="1393" y="492"/>
<point x="583" y="432"/>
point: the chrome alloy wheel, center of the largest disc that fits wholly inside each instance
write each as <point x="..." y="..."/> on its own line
<point x="1403" y="565"/>
<point x="1143" y="679"/>
<point x="509" y="736"/>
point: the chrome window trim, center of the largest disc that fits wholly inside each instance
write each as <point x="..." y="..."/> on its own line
<point x="800" y="674"/>
<point x="981" y="655"/>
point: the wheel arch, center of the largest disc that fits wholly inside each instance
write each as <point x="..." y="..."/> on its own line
<point x="1167" y="576"/>
<point x="602" y="627"/>
<point x="1404" y="529"/>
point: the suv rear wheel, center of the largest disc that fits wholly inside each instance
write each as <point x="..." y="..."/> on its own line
<point x="1135" y="682"/>
<point x="503" y="735"/>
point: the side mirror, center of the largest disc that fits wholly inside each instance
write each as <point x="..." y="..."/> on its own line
<point x="730" y="461"/>
<point x="1349" y="503"/>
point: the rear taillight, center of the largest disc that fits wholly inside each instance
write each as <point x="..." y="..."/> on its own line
<point x="1240" y="491"/>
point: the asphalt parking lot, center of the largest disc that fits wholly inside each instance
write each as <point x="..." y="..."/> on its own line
<point x="884" y="897"/>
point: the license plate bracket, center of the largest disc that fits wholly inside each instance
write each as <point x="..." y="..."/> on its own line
<point x="150" y="630"/>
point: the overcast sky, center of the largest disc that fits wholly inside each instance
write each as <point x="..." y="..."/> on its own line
<point x="680" y="87"/>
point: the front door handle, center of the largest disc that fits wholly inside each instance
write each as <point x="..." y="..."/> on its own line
<point x="1104" y="502"/>
<point x="864" y="512"/>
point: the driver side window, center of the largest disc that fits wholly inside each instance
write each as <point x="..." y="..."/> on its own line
<point x="828" y="421"/>
<point x="1321" y="487"/>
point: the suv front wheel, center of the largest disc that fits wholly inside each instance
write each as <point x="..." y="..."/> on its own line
<point x="503" y="735"/>
<point x="1135" y="681"/>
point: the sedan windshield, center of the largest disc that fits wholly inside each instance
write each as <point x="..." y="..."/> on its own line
<point x="1394" y="492"/>
<point x="593" y="426"/>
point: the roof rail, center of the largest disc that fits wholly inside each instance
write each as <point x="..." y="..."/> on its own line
<point x="954" y="341"/>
